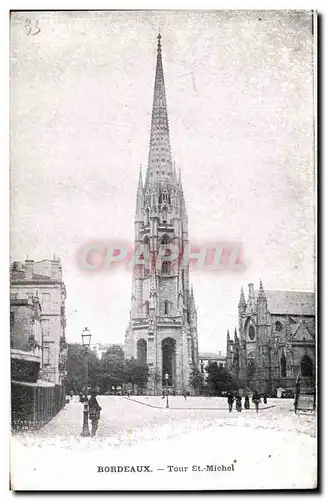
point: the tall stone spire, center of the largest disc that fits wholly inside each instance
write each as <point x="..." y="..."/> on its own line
<point x="160" y="162"/>
<point x="261" y="295"/>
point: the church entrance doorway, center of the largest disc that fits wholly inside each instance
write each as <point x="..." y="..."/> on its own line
<point x="306" y="366"/>
<point x="168" y="347"/>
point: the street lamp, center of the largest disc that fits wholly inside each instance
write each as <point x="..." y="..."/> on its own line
<point x="86" y="340"/>
<point x="166" y="378"/>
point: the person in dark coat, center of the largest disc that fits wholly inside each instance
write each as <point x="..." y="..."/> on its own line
<point x="81" y="397"/>
<point x="265" y="399"/>
<point x="256" y="400"/>
<point x="94" y="412"/>
<point x="238" y="403"/>
<point x="230" y="400"/>
<point x="247" y="402"/>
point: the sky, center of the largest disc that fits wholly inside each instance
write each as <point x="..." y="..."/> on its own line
<point x="239" y="88"/>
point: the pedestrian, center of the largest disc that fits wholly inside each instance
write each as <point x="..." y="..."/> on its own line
<point x="81" y="397"/>
<point x="71" y="394"/>
<point x="94" y="412"/>
<point x="238" y="403"/>
<point x="247" y="402"/>
<point x="230" y="400"/>
<point x="129" y="394"/>
<point x="265" y="399"/>
<point x="256" y="400"/>
<point x="185" y="395"/>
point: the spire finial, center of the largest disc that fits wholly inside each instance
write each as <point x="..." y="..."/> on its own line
<point x="261" y="294"/>
<point x="159" y="42"/>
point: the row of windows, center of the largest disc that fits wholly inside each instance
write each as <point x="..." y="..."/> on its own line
<point x="306" y="366"/>
<point x="166" y="307"/>
<point x="45" y="297"/>
<point x="251" y="331"/>
<point x="164" y="216"/>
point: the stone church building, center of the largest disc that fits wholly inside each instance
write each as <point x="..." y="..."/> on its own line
<point x="162" y="330"/>
<point x="275" y="341"/>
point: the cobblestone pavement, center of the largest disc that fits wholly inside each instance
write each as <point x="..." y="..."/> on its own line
<point x="273" y="448"/>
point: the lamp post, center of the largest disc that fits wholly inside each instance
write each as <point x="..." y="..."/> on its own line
<point x="166" y="379"/>
<point x="86" y="340"/>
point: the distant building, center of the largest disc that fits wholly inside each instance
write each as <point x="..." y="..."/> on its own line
<point x="207" y="358"/>
<point x="100" y="349"/>
<point x="276" y="340"/>
<point x="42" y="283"/>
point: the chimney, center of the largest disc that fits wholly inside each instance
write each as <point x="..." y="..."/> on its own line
<point x="29" y="266"/>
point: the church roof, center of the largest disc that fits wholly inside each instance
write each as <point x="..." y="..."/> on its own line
<point x="287" y="302"/>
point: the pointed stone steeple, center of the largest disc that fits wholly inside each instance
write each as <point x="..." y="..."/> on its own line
<point x="242" y="298"/>
<point x="261" y="295"/>
<point x="160" y="162"/>
<point x="228" y="336"/>
<point x="139" y="196"/>
<point x="235" y="335"/>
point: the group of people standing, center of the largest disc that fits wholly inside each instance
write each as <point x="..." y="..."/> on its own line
<point x="256" y="399"/>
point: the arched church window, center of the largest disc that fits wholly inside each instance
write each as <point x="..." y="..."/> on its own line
<point x="147" y="217"/>
<point x="306" y="366"/>
<point x="147" y="198"/>
<point x="250" y="369"/>
<point x="251" y="332"/>
<point x="146" y="256"/>
<point x="165" y="267"/>
<point x="165" y="196"/>
<point x="164" y="215"/>
<point x="166" y="307"/>
<point x="165" y="240"/>
<point x="283" y="365"/>
<point x="147" y="308"/>
<point x="278" y="326"/>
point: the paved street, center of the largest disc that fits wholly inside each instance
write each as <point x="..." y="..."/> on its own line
<point x="274" y="445"/>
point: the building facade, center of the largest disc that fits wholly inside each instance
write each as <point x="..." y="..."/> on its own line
<point x="42" y="281"/>
<point x="162" y="330"/>
<point x="100" y="349"/>
<point x="275" y="340"/>
<point x="206" y="358"/>
<point x="25" y="339"/>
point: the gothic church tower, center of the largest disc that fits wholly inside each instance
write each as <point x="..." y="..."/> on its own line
<point x="162" y="330"/>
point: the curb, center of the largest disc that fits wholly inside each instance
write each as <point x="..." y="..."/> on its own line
<point x="188" y="408"/>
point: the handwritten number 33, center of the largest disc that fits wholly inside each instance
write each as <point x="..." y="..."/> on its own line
<point x="32" y="30"/>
